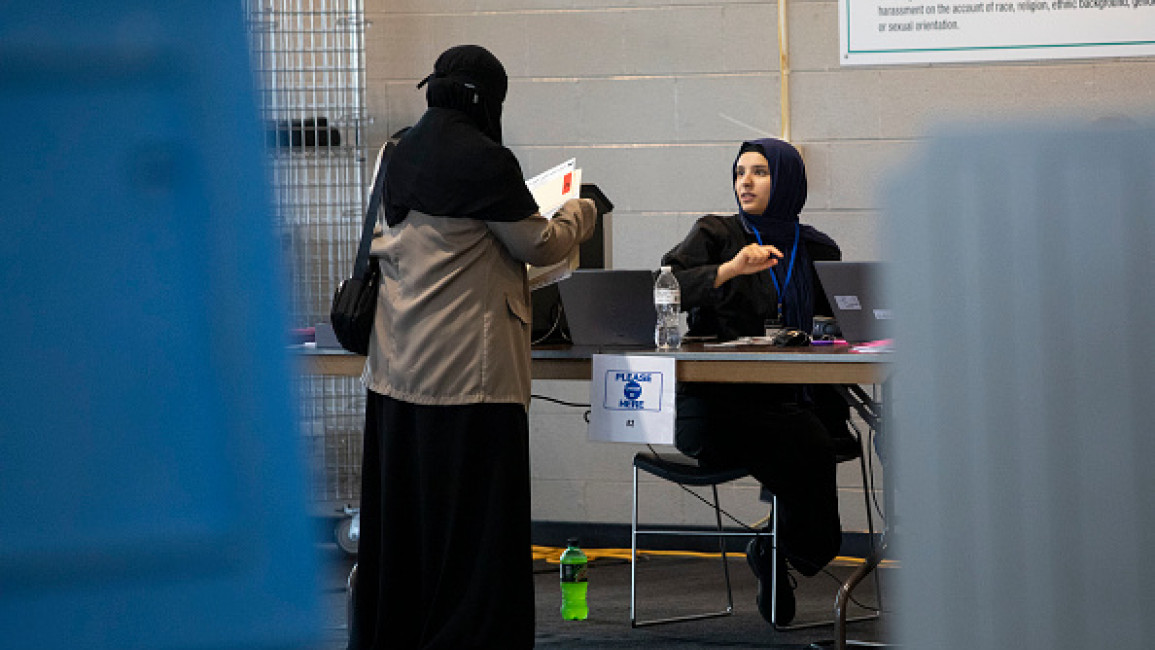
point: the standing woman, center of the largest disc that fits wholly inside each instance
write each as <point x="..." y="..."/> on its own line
<point x="737" y="274"/>
<point x="444" y="557"/>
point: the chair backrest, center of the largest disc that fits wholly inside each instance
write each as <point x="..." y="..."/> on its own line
<point x="686" y="471"/>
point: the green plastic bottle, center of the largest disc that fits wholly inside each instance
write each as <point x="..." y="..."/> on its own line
<point x="574" y="581"/>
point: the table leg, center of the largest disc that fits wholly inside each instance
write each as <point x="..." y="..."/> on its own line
<point x="843" y="600"/>
<point x="870" y="411"/>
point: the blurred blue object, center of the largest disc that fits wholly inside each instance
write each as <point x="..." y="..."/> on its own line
<point x="151" y="485"/>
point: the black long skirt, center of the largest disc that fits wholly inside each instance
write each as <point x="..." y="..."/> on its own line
<point x="783" y="445"/>
<point x="444" y="559"/>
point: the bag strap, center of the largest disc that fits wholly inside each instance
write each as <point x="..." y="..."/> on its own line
<point x="375" y="200"/>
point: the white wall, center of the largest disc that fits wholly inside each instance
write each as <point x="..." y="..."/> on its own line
<point x="652" y="98"/>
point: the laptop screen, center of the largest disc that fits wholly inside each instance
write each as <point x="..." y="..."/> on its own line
<point x="605" y="307"/>
<point x="854" y="291"/>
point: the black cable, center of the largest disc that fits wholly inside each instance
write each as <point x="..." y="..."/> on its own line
<point x="872" y="492"/>
<point x="552" y="328"/>
<point x="559" y="312"/>
<point x="559" y="401"/>
<point x="585" y="416"/>
<point x="851" y="597"/>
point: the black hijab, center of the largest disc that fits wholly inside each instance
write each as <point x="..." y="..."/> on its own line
<point x="452" y="163"/>
<point x="778" y="226"/>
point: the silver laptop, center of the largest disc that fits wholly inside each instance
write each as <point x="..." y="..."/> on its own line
<point x="854" y="290"/>
<point x="609" y="308"/>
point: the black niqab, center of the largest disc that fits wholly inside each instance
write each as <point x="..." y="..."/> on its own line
<point x="452" y="163"/>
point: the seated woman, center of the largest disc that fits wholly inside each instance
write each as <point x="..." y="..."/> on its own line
<point x="737" y="274"/>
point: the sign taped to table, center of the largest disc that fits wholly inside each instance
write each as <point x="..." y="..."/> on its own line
<point x="632" y="399"/>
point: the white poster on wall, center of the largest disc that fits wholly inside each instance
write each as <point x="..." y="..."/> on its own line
<point x="632" y="399"/>
<point x="932" y="31"/>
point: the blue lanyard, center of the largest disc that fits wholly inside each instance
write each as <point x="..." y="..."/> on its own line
<point x="789" y="268"/>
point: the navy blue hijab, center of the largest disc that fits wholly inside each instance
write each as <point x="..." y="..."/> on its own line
<point x="778" y="226"/>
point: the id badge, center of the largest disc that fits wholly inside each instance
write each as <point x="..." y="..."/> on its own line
<point x="773" y="326"/>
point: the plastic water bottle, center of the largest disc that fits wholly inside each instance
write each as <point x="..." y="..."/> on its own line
<point x="667" y="302"/>
<point x="574" y="581"/>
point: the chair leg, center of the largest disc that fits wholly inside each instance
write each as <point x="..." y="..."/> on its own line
<point x="634" y="532"/>
<point x="722" y="548"/>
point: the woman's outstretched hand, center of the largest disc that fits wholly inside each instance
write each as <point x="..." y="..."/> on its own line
<point x="751" y="259"/>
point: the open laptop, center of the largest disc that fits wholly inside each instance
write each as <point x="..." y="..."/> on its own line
<point x="609" y="307"/>
<point x="854" y="290"/>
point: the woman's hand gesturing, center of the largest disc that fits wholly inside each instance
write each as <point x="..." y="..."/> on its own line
<point x="751" y="259"/>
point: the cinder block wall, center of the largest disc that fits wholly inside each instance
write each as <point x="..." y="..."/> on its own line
<point x="653" y="96"/>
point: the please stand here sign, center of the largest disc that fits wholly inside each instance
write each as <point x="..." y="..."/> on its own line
<point x="632" y="399"/>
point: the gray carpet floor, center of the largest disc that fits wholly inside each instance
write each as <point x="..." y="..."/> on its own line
<point x="667" y="586"/>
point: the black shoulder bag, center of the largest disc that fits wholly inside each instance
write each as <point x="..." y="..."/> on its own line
<point x="355" y="301"/>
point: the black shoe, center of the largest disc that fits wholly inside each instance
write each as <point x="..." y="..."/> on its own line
<point x="760" y="558"/>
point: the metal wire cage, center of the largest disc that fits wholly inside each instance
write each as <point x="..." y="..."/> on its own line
<point x="308" y="59"/>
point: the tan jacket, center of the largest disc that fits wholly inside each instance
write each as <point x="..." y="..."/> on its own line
<point x="453" y="312"/>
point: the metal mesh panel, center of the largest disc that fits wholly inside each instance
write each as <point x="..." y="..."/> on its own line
<point x="309" y="62"/>
<point x="332" y="421"/>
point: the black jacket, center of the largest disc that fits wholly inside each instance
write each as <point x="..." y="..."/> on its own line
<point x="741" y="306"/>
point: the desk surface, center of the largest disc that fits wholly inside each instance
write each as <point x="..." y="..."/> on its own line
<point x="744" y="364"/>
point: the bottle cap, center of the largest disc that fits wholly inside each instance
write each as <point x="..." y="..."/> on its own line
<point x="666" y="269"/>
<point x="573" y="541"/>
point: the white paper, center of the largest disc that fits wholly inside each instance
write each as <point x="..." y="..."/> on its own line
<point x="551" y="189"/>
<point x="555" y="186"/>
<point x="632" y="399"/>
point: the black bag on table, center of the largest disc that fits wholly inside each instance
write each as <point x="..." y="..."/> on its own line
<point x="355" y="301"/>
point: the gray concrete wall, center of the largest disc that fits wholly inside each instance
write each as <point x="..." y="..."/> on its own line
<point x="652" y="98"/>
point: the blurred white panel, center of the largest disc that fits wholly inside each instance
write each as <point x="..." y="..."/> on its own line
<point x="1022" y="443"/>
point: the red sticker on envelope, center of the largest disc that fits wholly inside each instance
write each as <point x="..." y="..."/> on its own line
<point x="566" y="183"/>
